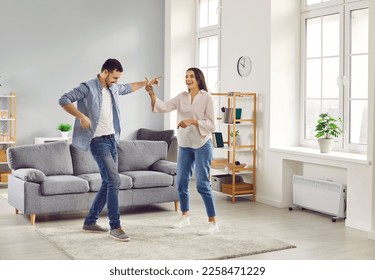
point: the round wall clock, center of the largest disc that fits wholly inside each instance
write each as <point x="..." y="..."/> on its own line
<point x="244" y="66"/>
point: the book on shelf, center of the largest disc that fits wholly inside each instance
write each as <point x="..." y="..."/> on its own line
<point x="217" y="139"/>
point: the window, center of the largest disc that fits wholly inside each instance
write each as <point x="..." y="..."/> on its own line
<point x="208" y="41"/>
<point x="335" y="69"/>
<point x="312" y="2"/>
<point x="208" y="13"/>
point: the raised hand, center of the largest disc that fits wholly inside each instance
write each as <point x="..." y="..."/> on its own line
<point x="149" y="87"/>
<point x="155" y="81"/>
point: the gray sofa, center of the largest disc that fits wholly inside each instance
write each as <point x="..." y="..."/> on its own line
<point x="57" y="177"/>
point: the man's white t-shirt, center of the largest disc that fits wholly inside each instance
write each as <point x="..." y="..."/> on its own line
<point x="105" y="124"/>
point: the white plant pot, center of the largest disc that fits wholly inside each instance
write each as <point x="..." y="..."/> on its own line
<point x="325" y="144"/>
<point x="64" y="134"/>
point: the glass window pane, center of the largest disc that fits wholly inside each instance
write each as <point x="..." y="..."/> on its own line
<point x="359" y="76"/>
<point x="313" y="109"/>
<point x="313" y="37"/>
<point x="329" y="76"/>
<point x="204" y="71"/>
<point x="311" y="2"/>
<point x="359" y="24"/>
<point x="203" y="13"/>
<point x="211" y="79"/>
<point x="313" y="78"/>
<point x="213" y="17"/>
<point x="331" y="107"/>
<point x="203" y="52"/>
<point x="331" y="35"/>
<point x="213" y="50"/>
<point x="358" y="122"/>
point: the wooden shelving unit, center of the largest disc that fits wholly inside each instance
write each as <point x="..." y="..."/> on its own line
<point x="231" y="100"/>
<point x="8" y="136"/>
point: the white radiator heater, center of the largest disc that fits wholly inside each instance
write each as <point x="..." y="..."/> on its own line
<point x="320" y="195"/>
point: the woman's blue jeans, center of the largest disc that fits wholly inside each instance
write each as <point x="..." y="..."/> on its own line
<point x="104" y="150"/>
<point x="201" y="159"/>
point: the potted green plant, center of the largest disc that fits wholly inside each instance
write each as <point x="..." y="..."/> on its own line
<point x="327" y="129"/>
<point x="64" y="128"/>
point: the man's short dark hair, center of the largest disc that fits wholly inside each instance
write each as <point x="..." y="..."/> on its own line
<point x="111" y="65"/>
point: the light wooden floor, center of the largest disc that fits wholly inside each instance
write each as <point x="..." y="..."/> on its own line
<point x="315" y="236"/>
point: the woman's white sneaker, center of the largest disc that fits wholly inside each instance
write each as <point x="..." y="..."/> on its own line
<point x="183" y="221"/>
<point x="211" y="228"/>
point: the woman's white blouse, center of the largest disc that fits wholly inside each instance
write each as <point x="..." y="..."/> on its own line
<point x="201" y="109"/>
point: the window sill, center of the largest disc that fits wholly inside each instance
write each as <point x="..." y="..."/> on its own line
<point x="314" y="153"/>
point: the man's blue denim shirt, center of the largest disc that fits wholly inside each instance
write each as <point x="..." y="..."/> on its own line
<point x="89" y="101"/>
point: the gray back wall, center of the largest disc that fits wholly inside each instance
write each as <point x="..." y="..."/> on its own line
<point x="48" y="47"/>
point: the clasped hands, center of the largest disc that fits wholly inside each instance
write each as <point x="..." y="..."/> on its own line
<point x="154" y="81"/>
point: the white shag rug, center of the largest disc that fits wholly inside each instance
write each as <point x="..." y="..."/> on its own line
<point x="154" y="240"/>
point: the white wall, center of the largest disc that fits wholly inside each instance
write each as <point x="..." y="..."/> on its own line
<point x="372" y="108"/>
<point x="242" y="34"/>
<point x="246" y="31"/>
<point x="179" y="50"/>
<point x="285" y="73"/>
<point x="50" y="46"/>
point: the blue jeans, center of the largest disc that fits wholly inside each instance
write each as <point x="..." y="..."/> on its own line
<point x="201" y="158"/>
<point x="104" y="150"/>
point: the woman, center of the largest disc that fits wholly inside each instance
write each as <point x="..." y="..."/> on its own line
<point x="195" y="116"/>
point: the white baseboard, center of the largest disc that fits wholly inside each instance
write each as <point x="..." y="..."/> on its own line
<point x="357" y="225"/>
<point x="371" y="235"/>
<point x="270" y="202"/>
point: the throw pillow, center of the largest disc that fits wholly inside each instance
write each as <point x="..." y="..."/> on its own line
<point x="155" y="135"/>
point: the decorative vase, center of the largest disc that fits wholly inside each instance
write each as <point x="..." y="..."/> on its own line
<point x="64" y="134"/>
<point x="325" y="144"/>
<point x="238" y="141"/>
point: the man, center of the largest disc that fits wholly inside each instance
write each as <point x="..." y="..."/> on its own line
<point x="97" y="127"/>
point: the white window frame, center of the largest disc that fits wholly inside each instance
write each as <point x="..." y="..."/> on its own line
<point x="312" y="7"/>
<point x="354" y="5"/>
<point x="205" y="32"/>
<point x="206" y="35"/>
<point x="322" y="9"/>
<point x="211" y="27"/>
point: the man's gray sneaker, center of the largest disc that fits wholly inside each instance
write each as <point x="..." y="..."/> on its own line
<point x="94" y="228"/>
<point x="119" y="234"/>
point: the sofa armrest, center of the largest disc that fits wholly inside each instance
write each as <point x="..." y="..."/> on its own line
<point x="29" y="175"/>
<point x="165" y="166"/>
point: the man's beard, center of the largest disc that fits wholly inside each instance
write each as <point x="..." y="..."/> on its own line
<point x="108" y="83"/>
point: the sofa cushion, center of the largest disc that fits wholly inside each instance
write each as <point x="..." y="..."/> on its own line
<point x="30" y="175"/>
<point x="83" y="161"/>
<point x="149" y="179"/>
<point x="63" y="184"/>
<point x="50" y="158"/>
<point x="155" y="135"/>
<point x="95" y="181"/>
<point x="139" y="154"/>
